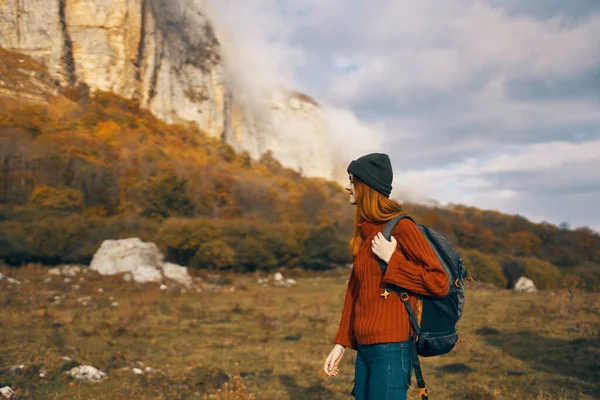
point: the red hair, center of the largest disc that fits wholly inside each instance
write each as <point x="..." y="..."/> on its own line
<point x="370" y="206"/>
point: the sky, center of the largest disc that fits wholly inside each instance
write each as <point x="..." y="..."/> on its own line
<point x="489" y="103"/>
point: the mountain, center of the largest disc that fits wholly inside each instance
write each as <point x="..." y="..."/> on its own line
<point x="166" y="56"/>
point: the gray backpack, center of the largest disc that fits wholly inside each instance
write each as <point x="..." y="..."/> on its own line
<point x="437" y="333"/>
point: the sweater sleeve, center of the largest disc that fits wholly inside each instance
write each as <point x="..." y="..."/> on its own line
<point x="414" y="265"/>
<point x="345" y="335"/>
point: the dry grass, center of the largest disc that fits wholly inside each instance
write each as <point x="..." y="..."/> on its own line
<point x="269" y="343"/>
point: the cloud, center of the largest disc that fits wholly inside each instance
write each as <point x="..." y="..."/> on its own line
<point x="530" y="179"/>
<point x="494" y="103"/>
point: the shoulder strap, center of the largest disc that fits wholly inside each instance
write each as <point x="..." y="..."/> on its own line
<point x="387" y="233"/>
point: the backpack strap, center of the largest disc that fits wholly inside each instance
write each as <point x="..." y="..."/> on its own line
<point x="387" y="233"/>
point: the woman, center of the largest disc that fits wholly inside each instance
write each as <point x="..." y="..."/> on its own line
<point x="378" y="327"/>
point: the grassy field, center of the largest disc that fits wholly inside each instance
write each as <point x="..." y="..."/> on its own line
<point x="237" y="340"/>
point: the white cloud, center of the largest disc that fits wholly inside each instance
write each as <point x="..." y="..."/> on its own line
<point x="480" y="102"/>
<point x="508" y="181"/>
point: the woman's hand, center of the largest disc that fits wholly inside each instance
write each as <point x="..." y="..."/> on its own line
<point x="333" y="360"/>
<point x="383" y="248"/>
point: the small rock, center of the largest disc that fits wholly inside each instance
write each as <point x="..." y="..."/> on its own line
<point x="67" y="280"/>
<point x="137" y="371"/>
<point x="291" y="282"/>
<point x="86" y="373"/>
<point x="70" y="270"/>
<point x="54" y="271"/>
<point x="114" y="304"/>
<point x="525" y="285"/>
<point x="15" y="368"/>
<point x="100" y="290"/>
<point x="8" y="279"/>
<point x="163" y="287"/>
<point x="67" y="358"/>
<point x="43" y="373"/>
<point x="149" y="370"/>
<point x="277" y="277"/>
<point x="7" y="392"/>
<point x="127" y="277"/>
<point x="111" y="298"/>
<point x="48" y="280"/>
<point x="177" y="273"/>
<point x="262" y="281"/>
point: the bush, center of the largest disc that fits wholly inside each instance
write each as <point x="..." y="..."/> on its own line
<point x="513" y="269"/>
<point x="252" y="254"/>
<point x="213" y="254"/>
<point x="484" y="267"/>
<point x="542" y="273"/>
<point x="589" y="275"/>
<point x="324" y="248"/>
<point x="181" y="238"/>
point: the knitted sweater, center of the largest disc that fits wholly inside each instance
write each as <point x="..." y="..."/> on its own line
<point x="367" y="317"/>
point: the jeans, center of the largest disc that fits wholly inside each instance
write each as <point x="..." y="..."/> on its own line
<point x="382" y="371"/>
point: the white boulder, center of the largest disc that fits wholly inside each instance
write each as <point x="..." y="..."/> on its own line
<point x="87" y="373"/>
<point x="139" y="261"/>
<point x="177" y="273"/>
<point x="143" y="260"/>
<point x="277" y="277"/>
<point x="7" y="392"/>
<point x="525" y="285"/>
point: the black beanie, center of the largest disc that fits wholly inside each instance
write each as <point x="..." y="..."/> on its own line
<point x="375" y="170"/>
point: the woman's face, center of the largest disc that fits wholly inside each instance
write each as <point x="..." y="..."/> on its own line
<point x="350" y="189"/>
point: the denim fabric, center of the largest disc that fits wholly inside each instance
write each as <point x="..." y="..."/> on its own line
<point x="382" y="371"/>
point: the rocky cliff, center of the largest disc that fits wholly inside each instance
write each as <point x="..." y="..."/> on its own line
<point x="166" y="55"/>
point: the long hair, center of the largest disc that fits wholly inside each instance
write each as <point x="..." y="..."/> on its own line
<point x="370" y="206"/>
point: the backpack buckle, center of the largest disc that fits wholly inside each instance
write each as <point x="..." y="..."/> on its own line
<point x="404" y="296"/>
<point x="385" y="294"/>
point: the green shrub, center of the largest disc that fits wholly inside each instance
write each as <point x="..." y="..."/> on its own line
<point x="544" y="274"/>
<point x="252" y="254"/>
<point x="484" y="267"/>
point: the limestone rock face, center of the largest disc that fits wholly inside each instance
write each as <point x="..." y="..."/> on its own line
<point x="166" y="55"/>
<point x="37" y="28"/>
<point x="300" y="143"/>
<point x="525" y="285"/>
<point x="105" y="38"/>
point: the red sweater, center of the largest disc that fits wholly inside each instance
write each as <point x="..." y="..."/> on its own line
<point x="367" y="317"/>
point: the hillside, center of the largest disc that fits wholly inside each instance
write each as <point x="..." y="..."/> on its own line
<point x="83" y="168"/>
